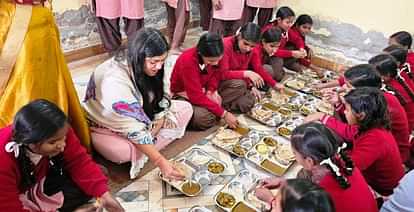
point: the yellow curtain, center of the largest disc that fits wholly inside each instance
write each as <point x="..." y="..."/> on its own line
<point x="40" y="70"/>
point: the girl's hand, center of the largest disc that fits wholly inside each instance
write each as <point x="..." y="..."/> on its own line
<point x="157" y="125"/>
<point x="110" y="203"/>
<point x="279" y="87"/>
<point x="271" y="182"/>
<point x="168" y="170"/>
<point x="264" y="194"/>
<point x="298" y="54"/>
<point x="313" y="117"/>
<point x="231" y="120"/>
<point x="256" y="79"/>
<point x="256" y="93"/>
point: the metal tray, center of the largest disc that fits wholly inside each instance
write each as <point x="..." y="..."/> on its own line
<point x="274" y="118"/>
<point x="200" y="168"/>
<point x="237" y="147"/>
<point x="263" y="154"/>
<point x="239" y="188"/>
<point x="290" y="125"/>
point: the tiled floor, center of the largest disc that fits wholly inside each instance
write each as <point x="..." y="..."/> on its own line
<point x="148" y="192"/>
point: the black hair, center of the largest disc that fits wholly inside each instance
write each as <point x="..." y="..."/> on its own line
<point x="370" y="102"/>
<point x="316" y="141"/>
<point x="363" y="75"/>
<point x="250" y="32"/>
<point x="387" y="65"/>
<point x="284" y="12"/>
<point x="299" y="195"/>
<point x="403" y="38"/>
<point x="148" y="42"/>
<point x="34" y="123"/>
<point x="400" y="54"/>
<point x="210" y="45"/>
<point x="272" y="35"/>
<point x="303" y="19"/>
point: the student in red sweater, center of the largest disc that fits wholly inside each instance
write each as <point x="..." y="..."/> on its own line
<point x="400" y="54"/>
<point x="294" y="195"/>
<point x="196" y="77"/>
<point x="44" y="167"/>
<point x="374" y="151"/>
<point x="240" y="57"/>
<point x="297" y="34"/>
<point x="387" y="67"/>
<point x="365" y="75"/>
<point x="405" y="40"/>
<point x="284" y="20"/>
<point x="317" y="149"/>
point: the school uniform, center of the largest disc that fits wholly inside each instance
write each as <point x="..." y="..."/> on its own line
<point x="410" y="58"/>
<point x="283" y="57"/>
<point x="297" y="41"/>
<point x="81" y="178"/>
<point x="376" y="154"/>
<point x="409" y="106"/>
<point x="178" y="16"/>
<point x="108" y="15"/>
<point x="265" y="13"/>
<point x="358" y="197"/>
<point x="399" y="126"/>
<point x="191" y="80"/>
<point x="205" y="14"/>
<point x="227" y="20"/>
<point x="267" y="62"/>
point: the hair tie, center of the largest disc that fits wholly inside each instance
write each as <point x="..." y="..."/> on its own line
<point x="333" y="166"/>
<point x="342" y="147"/>
<point x="13" y="147"/>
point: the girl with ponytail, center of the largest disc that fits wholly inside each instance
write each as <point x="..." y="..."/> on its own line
<point x="387" y="67"/>
<point x="318" y="150"/>
<point x="400" y="54"/>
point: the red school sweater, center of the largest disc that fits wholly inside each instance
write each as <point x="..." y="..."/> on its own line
<point x="399" y="126"/>
<point x="83" y="171"/>
<point x="281" y="51"/>
<point x="358" y="197"/>
<point x="376" y="155"/>
<point x="234" y="60"/>
<point x="298" y="40"/>
<point x="410" y="59"/>
<point x="409" y="106"/>
<point x="188" y="77"/>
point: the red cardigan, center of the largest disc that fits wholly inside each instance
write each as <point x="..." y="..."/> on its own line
<point x="410" y="59"/>
<point x="358" y="197"/>
<point x="234" y="60"/>
<point x="83" y="171"/>
<point x="409" y="106"/>
<point x="376" y="155"/>
<point x="281" y="51"/>
<point x="298" y="40"/>
<point x="399" y="126"/>
<point x="187" y="77"/>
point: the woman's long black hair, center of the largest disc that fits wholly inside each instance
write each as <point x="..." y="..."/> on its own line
<point x="403" y="38"/>
<point x="34" y="123"/>
<point x="370" y="102"/>
<point x="148" y="42"/>
<point x="299" y="195"/>
<point x="316" y="141"/>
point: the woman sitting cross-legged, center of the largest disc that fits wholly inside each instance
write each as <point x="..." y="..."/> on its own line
<point x="131" y="116"/>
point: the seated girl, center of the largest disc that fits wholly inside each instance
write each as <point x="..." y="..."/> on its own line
<point x="387" y="67"/>
<point x="196" y="77"/>
<point x="294" y="195"/>
<point x="325" y="163"/>
<point x="374" y="151"/>
<point x="297" y="35"/>
<point x="131" y="115"/>
<point x="240" y="57"/>
<point x="44" y="167"/>
<point x="405" y="40"/>
<point x="365" y="75"/>
<point x="400" y="54"/>
<point x="284" y="20"/>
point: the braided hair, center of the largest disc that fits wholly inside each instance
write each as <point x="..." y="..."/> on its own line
<point x="34" y="123"/>
<point x="314" y="140"/>
<point x="386" y="65"/>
